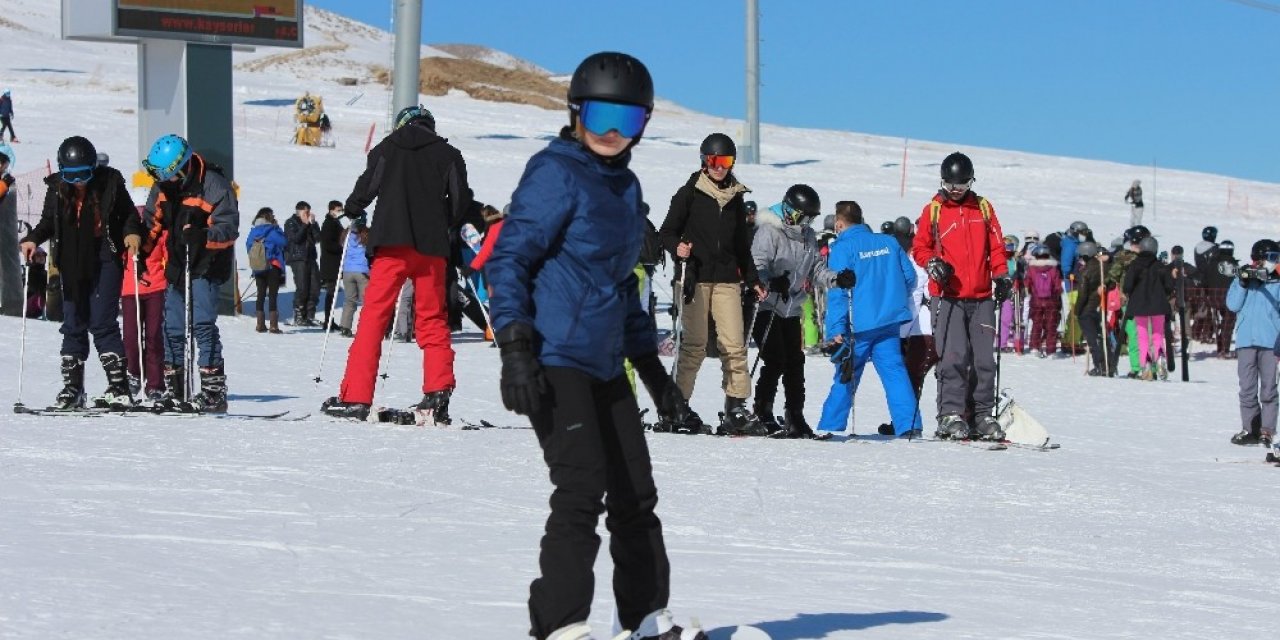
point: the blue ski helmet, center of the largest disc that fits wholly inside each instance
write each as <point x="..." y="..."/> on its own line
<point x="168" y="157"/>
<point x="416" y="113"/>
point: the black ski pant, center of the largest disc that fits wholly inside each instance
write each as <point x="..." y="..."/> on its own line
<point x="7" y="123"/>
<point x="783" y="354"/>
<point x="594" y="445"/>
<point x="95" y="310"/>
<point x="1091" y="327"/>
<point x="330" y="288"/>
<point x="268" y="283"/>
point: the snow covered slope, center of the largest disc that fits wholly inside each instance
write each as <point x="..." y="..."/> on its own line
<point x="1145" y="524"/>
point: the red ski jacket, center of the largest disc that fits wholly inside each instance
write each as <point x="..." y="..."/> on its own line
<point x="967" y="235"/>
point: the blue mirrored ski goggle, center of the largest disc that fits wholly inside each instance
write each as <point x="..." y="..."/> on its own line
<point x="75" y="175"/>
<point x="601" y="117"/>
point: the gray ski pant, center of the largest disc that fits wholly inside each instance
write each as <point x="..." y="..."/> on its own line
<point x="964" y="333"/>
<point x="1256" y="368"/>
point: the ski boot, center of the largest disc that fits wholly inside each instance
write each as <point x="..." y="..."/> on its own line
<point x="794" y="426"/>
<point x="952" y="426"/>
<point x="988" y="428"/>
<point x="135" y="385"/>
<point x="433" y="410"/>
<point x="660" y="625"/>
<point x="886" y="429"/>
<point x="1246" y="438"/>
<point x="764" y="413"/>
<point x="213" y="391"/>
<point x="117" y="396"/>
<point x="341" y="409"/>
<point x="1266" y="439"/>
<point x="72" y="395"/>
<point x="736" y="420"/>
<point x="175" y="390"/>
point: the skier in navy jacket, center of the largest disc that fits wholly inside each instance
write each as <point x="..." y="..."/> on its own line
<point x="566" y="310"/>
<point x="884" y="277"/>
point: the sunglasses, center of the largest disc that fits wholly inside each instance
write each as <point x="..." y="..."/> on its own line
<point x="718" y="162"/>
<point x="76" y="175"/>
<point x="601" y="117"/>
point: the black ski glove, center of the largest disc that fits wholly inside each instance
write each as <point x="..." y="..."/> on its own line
<point x="195" y="236"/>
<point x="939" y="271"/>
<point x="846" y="279"/>
<point x="781" y="285"/>
<point x="8" y="180"/>
<point x="1003" y="287"/>
<point x="522" y="382"/>
<point x="666" y="395"/>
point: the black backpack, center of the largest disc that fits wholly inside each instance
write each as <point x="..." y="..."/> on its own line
<point x="651" y="253"/>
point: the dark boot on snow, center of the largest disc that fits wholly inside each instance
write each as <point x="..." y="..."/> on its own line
<point x="987" y="427"/>
<point x="72" y="394"/>
<point x="737" y="420"/>
<point x="262" y="322"/>
<point x="433" y="410"/>
<point x="340" y="409"/>
<point x="212" y="397"/>
<point x="795" y="427"/>
<point x="764" y="413"/>
<point x="175" y="391"/>
<point x="1246" y="438"/>
<point x="952" y="426"/>
<point x="117" y="395"/>
<point x="275" y="322"/>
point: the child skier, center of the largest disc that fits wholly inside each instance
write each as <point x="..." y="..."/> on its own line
<point x="91" y="218"/>
<point x="785" y="251"/>
<point x="1043" y="282"/>
<point x="566" y="310"/>
<point x="1148" y="285"/>
<point x="142" y="305"/>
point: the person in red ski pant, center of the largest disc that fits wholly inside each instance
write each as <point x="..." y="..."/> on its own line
<point x="420" y="182"/>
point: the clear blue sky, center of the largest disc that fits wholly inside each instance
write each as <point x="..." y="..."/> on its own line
<point x="1192" y="84"/>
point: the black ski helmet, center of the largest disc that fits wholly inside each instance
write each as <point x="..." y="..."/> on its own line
<point x="886" y="227"/>
<point x="1136" y="234"/>
<point x="1227" y="248"/>
<point x="1148" y="244"/>
<point x="718" y="144"/>
<point x="1041" y="251"/>
<point x="1209" y="234"/>
<point x="802" y="198"/>
<point x="750" y="206"/>
<point x="77" y="151"/>
<point x="612" y="76"/>
<point x="1078" y="227"/>
<point x="903" y="226"/>
<point x="1262" y="247"/>
<point x="1087" y="249"/>
<point x="957" y="168"/>
<point x="416" y="113"/>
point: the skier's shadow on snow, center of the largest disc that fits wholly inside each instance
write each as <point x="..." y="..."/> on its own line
<point x="821" y="625"/>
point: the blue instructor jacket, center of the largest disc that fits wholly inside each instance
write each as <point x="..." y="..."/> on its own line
<point x="885" y="279"/>
<point x="565" y="261"/>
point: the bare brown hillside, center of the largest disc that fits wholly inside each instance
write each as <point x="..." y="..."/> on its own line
<point x="484" y="81"/>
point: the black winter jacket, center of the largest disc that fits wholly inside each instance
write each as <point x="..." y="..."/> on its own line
<point x="330" y="248"/>
<point x="1148" y="285"/>
<point x="1089" y="278"/>
<point x="205" y="200"/>
<point x="420" y="182"/>
<point x="301" y="240"/>
<point x="721" y="238"/>
<point x="77" y="245"/>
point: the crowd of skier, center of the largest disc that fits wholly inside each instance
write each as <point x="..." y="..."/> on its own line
<point x="561" y="279"/>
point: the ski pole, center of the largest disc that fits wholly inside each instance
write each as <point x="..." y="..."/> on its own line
<point x="18" y="407"/>
<point x="189" y="358"/>
<point x="333" y="305"/>
<point x="995" y="401"/>
<point x="853" y="409"/>
<point x="391" y="342"/>
<point x="764" y="337"/>
<point x="137" y="305"/>
<point x="1102" y="307"/>
<point x="677" y="326"/>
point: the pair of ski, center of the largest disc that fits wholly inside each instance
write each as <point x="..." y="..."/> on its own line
<point x="93" y="412"/>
